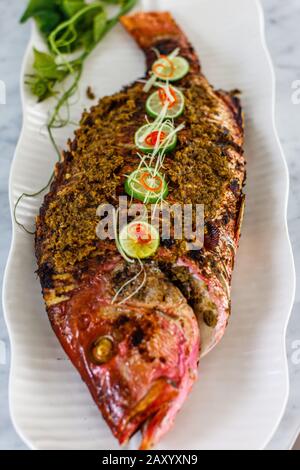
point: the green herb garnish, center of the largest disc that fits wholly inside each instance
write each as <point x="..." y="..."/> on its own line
<point x="69" y="27"/>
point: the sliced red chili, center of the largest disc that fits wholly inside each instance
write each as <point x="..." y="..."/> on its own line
<point x="153" y="137"/>
<point x="143" y="237"/>
<point x="161" y="65"/>
<point x="156" y="178"/>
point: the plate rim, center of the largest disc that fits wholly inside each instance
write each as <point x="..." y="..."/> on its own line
<point x="262" y="23"/>
<point x="286" y="201"/>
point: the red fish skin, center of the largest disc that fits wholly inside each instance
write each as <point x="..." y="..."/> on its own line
<point x="160" y="365"/>
<point x="161" y="423"/>
<point x="218" y="296"/>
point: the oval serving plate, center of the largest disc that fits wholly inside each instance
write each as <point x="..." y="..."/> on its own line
<point x="243" y="386"/>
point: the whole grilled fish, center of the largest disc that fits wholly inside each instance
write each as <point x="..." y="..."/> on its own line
<point x="139" y="356"/>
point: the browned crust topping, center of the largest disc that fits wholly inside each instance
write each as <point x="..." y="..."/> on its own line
<point x="200" y="170"/>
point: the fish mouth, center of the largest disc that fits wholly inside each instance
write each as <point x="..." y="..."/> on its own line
<point x="152" y="429"/>
<point x="149" y="412"/>
<point x="139" y="359"/>
<point x="155" y="413"/>
<point x="141" y="392"/>
<point x="161" y="422"/>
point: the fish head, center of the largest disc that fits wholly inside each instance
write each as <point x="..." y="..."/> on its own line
<point x="139" y="357"/>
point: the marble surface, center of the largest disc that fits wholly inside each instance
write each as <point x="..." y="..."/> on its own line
<point x="283" y="37"/>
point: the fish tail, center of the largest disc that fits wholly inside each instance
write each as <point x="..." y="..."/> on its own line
<point x="158" y="30"/>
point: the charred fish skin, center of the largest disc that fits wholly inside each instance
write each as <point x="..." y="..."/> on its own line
<point x="215" y="132"/>
<point x="139" y="359"/>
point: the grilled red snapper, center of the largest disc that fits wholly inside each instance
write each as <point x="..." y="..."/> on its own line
<point x="139" y="356"/>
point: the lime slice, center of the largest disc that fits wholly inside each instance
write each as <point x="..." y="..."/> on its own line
<point x="146" y="138"/>
<point x="146" y="187"/>
<point x="171" y="69"/>
<point x="139" y="239"/>
<point x="157" y="100"/>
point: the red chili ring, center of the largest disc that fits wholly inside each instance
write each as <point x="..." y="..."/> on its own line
<point x="163" y="97"/>
<point x="152" y="138"/>
<point x="159" y="65"/>
<point x="143" y="181"/>
<point x="141" y="236"/>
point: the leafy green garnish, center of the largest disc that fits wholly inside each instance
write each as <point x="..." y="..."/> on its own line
<point x="47" y="74"/>
<point x="46" y="66"/>
<point x="47" y="13"/>
<point x="47" y="21"/>
<point x="36" y="6"/>
<point x="71" y="7"/>
<point x="68" y="26"/>
<point x="99" y="26"/>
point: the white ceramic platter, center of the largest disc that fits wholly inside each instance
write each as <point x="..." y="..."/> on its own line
<point x="243" y="386"/>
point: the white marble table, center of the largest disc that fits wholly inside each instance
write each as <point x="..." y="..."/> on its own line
<point x="283" y="37"/>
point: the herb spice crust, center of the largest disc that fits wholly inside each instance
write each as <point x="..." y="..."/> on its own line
<point x="92" y="172"/>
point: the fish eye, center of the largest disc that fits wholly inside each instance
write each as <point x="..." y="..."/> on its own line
<point x="102" y="350"/>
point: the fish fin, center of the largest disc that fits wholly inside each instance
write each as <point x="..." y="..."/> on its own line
<point x="159" y="30"/>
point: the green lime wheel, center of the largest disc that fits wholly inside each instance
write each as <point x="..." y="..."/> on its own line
<point x="171" y="69"/>
<point x="147" y="138"/>
<point x="146" y="186"/>
<point x="158" y="100"/>
<point x="139" y="239"/>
